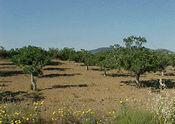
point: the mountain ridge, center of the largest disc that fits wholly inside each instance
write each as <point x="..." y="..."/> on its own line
<point x="97" y="50"/>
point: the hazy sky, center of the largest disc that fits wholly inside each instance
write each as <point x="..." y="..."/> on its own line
<point x="86" y="24"/>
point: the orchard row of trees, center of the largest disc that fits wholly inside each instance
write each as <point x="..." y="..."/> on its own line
<point x="133" y="57"/>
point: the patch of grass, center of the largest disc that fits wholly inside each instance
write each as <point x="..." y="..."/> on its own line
<point x="75" y="95"/>
<point x="135" y="116"/>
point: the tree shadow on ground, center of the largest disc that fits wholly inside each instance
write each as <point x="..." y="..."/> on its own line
<point x="36" y="96"/>
<point x="169" y="74"/>
<point x="3" y="83"/>
<point x="96" y="69"/>
<point x="69" y="86"/>
<point x="65" y="86"/>
<point x="53" y="63"/>
<point x="7" y="67"/>
<point x="7" y="63"/>
<point x="15" y="97"/>
<point x="57" y="75"/>
<point x="57" y="69"/>
<point x="152" y="83"/>
<point x="10" y="73"/>
<point x="119" y="75"/>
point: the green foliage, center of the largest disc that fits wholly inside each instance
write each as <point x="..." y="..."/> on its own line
<point x="163" y="61"/>
<point x="139" y="61"/>
<point x="105" y="59"/>
<point x="31" y="59"/>
<point x="67" y="54"/>
<point x="78" y="56"/>
<point x="53" y="53"/>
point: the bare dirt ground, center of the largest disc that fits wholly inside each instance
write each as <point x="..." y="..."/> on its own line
<point x="70" y="84"/>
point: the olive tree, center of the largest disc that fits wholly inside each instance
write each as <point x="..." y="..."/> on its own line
<point x="172" y="60"/>
<point x="108" y="59"/>
<point x="87" y="58"/>
<point x="163" y="61"/>
<point x="137" y="59"/>
<point x="31" y="59"/>
<point x="104" y="60"/>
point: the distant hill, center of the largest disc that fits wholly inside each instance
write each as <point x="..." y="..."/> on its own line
<point x="99" y="49"/>
<point x="108" y="48"/>
<point x="164" y="51"/>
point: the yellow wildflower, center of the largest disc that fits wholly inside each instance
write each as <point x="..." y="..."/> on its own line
<point x="16" y="113"/>
<point x="42" y="102"/>
<point x="53" y="112"/>
<point x="121" y="102"/>
<point x="19" y="121"/>
<point x="126" y="100"/>
<point x="2" y="111"/>
<point x="35" y="103"/>
<point x="92" y="113"/>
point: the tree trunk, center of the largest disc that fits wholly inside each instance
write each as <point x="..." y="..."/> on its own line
<point x="87" y="68"/>
<point x="161" y="84"/>
<point x="137" y="79"/>
<point x="162" y="73"/>
<point x="33" y="82"/>
<point x="105" y="72"/>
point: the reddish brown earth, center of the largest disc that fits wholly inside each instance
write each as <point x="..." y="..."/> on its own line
<point x="69" y="84"/>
